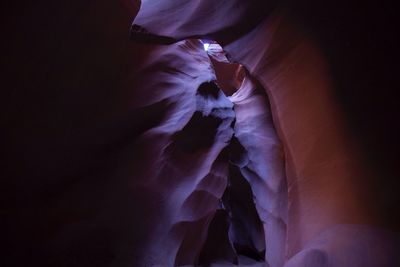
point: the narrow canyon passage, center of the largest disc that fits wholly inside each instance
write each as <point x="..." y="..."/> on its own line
<point x="302" y="161"/>
<point x="256" y="185"/>
<point x="232" y="112"/>
<point x="209" y="133"/>
<point x="256" y="161"/>
<point x="234" y="213"/>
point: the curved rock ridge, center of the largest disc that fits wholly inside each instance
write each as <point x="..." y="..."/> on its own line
<point x="263" y="166"/>
<point x="222" y="19"/>
<point x="187" y="230"/>
<point x="324" y="165"/>
<point x="123" y="154"/>
<point x="189" y="170"/>
<point x="229" y="75"/>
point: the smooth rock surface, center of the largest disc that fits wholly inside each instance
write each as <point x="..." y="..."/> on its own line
<point x="118" y="154"/>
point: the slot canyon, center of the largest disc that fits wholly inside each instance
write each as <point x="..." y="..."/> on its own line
<point x="163" y="133"/>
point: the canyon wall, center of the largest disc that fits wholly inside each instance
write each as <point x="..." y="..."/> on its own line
<point x="119" y="147"/>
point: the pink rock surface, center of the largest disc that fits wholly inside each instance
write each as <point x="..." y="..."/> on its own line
<point x="325" y="168"/>
<point x="264" y="168"/>
<point x="321" y="164"/>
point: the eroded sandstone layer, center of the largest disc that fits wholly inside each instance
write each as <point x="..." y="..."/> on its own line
<point x="132" y="146"/>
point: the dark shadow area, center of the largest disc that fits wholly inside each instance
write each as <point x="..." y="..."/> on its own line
<point x="143" y="36"/>
<point x="237" y="155"/>
<point x="208" y="89"/>
<point x="246" y="229"/>
<point x="237" y="223"/>
<point x="218" y="246"/>
<point x="187" y="252"/>
<point x="188" y="138"/>
<point x="360" y="41"/>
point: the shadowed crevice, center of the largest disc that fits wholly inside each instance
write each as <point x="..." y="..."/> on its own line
<point x="140" y="35"/>
<point x="188" y="138"/>
<point x="218" y="247"/>
<point x="209" y="89"/>
<point x="246" y="230"/>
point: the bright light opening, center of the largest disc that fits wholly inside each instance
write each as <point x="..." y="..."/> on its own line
<point x="206" y="46"/>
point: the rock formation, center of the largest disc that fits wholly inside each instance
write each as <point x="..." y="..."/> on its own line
<point x="125" y="143"/>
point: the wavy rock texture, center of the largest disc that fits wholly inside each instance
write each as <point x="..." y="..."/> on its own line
<point x="197" y="18"/>
<point x="105" y="165"/>
<point x="330" y="182"/>
<point x="322" y="163"/>
<point x="263" y="165"/>
<point x="120" y="154"/>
